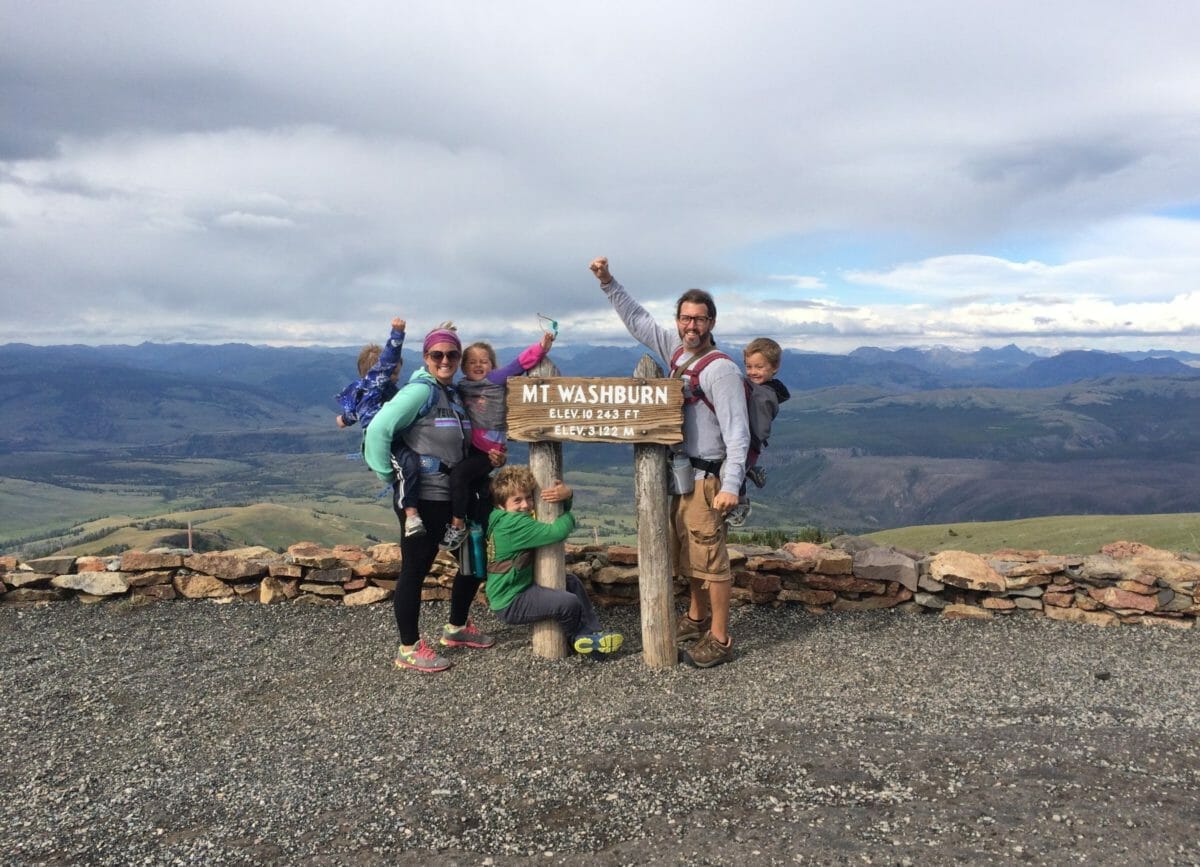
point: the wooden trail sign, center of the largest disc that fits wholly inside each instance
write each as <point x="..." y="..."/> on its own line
<point x="545" y="410"/>
<point x="583" y="409"/>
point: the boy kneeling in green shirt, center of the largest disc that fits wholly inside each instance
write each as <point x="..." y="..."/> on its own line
<point x="513" y="534"/>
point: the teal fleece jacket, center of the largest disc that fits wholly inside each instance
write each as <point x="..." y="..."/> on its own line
<point x="395" y="415"/>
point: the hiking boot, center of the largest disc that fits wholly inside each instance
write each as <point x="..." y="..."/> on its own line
<point x="687" y="629"/>
<point x="737" y="516"/>
<point x="465" y="636"/>
<point x="708" y="652"/>
<point x="421" y="658"/>
<point x="758" y="475"/>
<point x="413" y="527"/>
<point x="599" y="642"/>
<point x="454" y="538"/>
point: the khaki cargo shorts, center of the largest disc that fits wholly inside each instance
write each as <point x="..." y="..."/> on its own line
<point x="698" y="534"/>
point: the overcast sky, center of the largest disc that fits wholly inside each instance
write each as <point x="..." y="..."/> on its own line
<point x="837" y="173"/>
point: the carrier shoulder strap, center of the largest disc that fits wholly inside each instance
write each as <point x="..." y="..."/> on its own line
<point x="430" y="402"/>
<point x="520" y="561"/>
<point x="693" y="368"/>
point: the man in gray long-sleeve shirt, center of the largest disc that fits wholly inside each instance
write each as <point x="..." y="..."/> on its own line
<point x="716" y="436"/>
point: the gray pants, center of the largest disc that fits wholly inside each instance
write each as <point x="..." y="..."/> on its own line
<point x="571" y="608"/>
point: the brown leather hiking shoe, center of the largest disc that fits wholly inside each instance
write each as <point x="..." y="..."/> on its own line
<point x="687" y="629"/>
<point x="708" y="652"/>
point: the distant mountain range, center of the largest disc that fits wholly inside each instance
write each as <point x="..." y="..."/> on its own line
<point x="158" y="393"/>
<point x="310" y="376"/>
<point x="1011" y="367"/>
<point x="923" y="369"/>
<point x="873" y="439"/>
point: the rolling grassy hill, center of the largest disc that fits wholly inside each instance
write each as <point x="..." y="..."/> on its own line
<point x="1065" y="534"/>
<point x="341" y="521"/>
<point x="271" y="525"/>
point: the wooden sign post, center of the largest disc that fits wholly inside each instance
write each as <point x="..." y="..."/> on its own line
<point x="549" y="563"/>
<point x="655" y="569"/>
<point x="645" y="410"/>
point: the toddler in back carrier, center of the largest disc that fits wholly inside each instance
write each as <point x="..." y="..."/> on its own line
<point x="762" y="357"/>
<point x="484" y="392"/>
<point x="378" y="369"/>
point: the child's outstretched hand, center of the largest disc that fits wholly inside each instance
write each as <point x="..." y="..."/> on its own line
<point x="557" y="492"/>
<point x="547" y="339"/>
<point x="398" y="324"/>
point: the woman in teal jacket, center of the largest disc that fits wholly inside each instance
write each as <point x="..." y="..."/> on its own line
<point x="428" y="416"/>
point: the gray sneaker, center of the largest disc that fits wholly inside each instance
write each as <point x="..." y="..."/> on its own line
<point x="708" y="652"/>
<point x="421" y="658"/>
<point x="454" y="538"/>
<point x="687" y="629"/>
<point x="737" y="516"/>
<point x="413" y="527"/>
<point x="465" y="636"/>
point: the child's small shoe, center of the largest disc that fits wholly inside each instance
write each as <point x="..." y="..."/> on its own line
<point x="413" y="527"/>
<point x="454" y="538"/>
<point x="737" y="516"/>
<point x="599" y="642"/>
<point x="758" y="475"/>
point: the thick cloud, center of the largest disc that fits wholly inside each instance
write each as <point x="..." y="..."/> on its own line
<point x="267" y="172"/>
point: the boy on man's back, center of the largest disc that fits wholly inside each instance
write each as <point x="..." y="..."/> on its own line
<point x="762" y="358"/>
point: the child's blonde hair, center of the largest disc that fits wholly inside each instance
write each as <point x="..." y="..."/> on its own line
<point x="367" y="357"/>
<point x="511" y="481"/>
<point x="767" y="348"/>
<point x="484" y="347"/>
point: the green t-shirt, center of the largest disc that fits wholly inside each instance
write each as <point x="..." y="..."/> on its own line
<point x="510" y="533"/>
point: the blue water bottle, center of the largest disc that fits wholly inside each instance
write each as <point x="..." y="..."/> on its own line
<point x="478" y="556"/>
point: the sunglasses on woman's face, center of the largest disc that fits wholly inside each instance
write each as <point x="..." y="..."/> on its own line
<point x="437" y="355"/>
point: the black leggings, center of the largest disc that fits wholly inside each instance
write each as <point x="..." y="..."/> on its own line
<point x="419" y="552"/>
<point x="467" y="480"/>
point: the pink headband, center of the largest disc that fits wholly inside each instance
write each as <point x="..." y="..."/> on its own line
<point x="441" y="335"/>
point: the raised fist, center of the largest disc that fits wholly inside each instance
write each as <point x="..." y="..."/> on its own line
<point x="599" y="267"/>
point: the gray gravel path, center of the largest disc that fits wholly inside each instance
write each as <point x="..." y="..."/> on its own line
<point x="234" y="734"/>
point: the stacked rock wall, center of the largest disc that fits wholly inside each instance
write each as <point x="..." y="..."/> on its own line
<point x="1125" y="582"/>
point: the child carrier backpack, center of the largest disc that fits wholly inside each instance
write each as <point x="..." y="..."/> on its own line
<point x="690" y="373"/>
<point x="691" y="370"/>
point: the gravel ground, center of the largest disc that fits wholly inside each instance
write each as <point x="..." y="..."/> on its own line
<point x="230" y="734"/>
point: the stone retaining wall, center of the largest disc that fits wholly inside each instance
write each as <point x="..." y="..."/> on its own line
<point x="1125" y="582"/>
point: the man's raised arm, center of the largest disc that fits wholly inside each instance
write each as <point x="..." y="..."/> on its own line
<point x="637" y="321"/>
